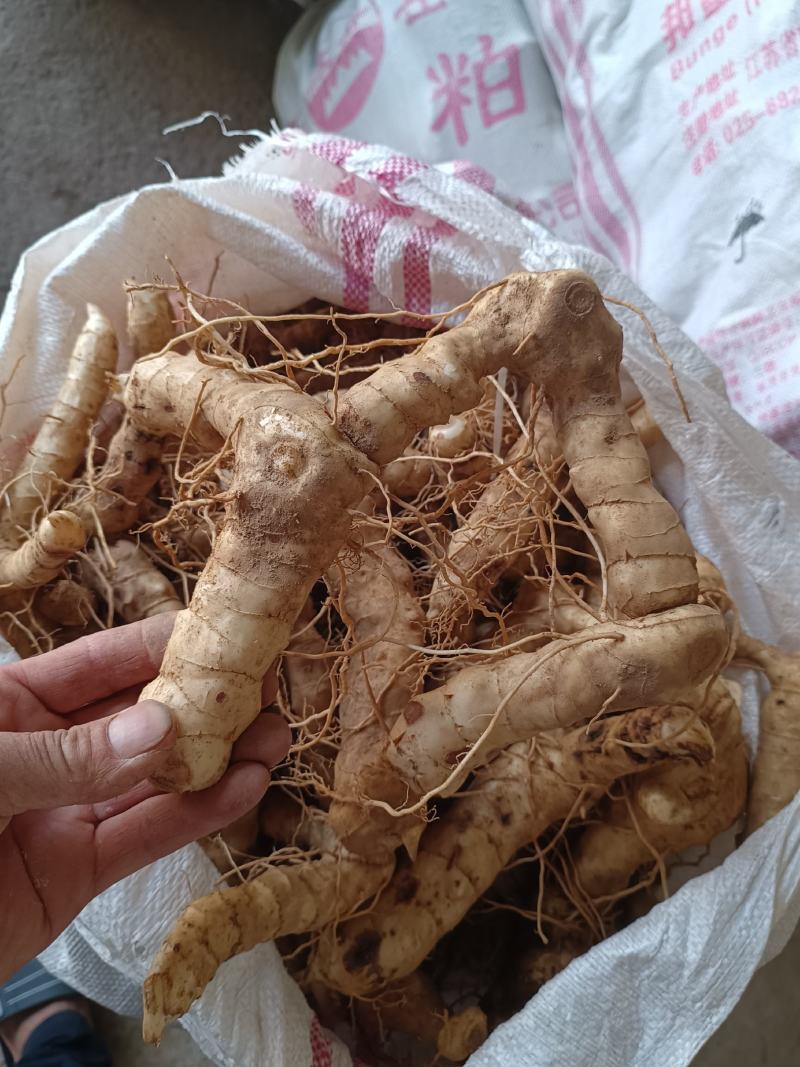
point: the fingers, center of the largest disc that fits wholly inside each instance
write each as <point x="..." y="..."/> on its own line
<point x="162" y="824"/>
<point x="107" y="809"/>
<point x="103" y="666"/>
<point x="84" y="764"/>
<point x="96" y="666"/>
<point x="266" y="741"/>
<point x="125" y="698"/>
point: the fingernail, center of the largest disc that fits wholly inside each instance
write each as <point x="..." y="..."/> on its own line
<point x="139" y="729"/>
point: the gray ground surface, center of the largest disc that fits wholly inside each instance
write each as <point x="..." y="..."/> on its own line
<point x="86" y="87"/>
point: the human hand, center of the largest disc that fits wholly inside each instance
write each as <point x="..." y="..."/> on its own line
<point x="76" y="810"/>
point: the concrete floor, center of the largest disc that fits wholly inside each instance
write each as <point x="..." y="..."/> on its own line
<point x="86" y="87"/>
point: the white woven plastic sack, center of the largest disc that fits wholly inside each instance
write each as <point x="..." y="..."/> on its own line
<point x="310" y="215"/>
<point x="457" y="82"/>
<point x="683" y="120"/>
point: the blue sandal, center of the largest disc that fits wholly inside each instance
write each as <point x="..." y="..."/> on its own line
<point x="65" y="1039"/>
<point x="30" y="988"/>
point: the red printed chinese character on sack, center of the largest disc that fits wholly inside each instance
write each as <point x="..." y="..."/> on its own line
<point x="506" y="87"/>
<point x="451" y="81"/>
<point x="770" y="55"/>
<point x="684" y="108"/>
<point x="727" y="70"/>
<point x="566" y="201"/>
<point x="701" y="124"/>
<point x="711" y="7"/>
<point x="710" y="151"/>
<point x="716" y="109"/>
<point x="789" y="42"/>
<point x="411" y="10"/>
<point x="689" y="137"/>
<point x="731" y="99"/>
<point x="676" y="22"/>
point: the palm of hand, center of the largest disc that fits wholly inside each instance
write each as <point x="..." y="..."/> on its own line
<point x="47" y="857"/>
<point x="55" y="859"/>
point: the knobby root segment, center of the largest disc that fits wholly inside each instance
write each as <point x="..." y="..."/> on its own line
<point x="284" y="899"/>
<point x="56" y="540"/>
<point x="380" y="604"/>
<point x="776" y="769"/>
<point x="608" y="667"/>
<point x="508" y="515"/>
<point x="554" y="330"/>
<point x="667" y="810"/>
<point x="413" y="1007"/>
<point x="131" y="583"/>
<point x="511" y="802"/>
<point x="150" y="326"/>
<point x="60" y="445"/>
<point x="131" y="469"/>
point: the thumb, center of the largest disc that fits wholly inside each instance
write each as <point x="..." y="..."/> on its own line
<point x="84" y="764"/>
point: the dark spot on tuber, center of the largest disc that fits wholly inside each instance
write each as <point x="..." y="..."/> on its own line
<point x="363" y="952"/>
<point x="413" y="712"/>
<point x="169" y="408"/>
<point x="221" y="695"/>
<point x="405" y="886"/>
<point x="505" y="818"/>
<point x="421" y="378"/>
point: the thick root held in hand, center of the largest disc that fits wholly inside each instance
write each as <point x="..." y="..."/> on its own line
<point x="293" y="481"/>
